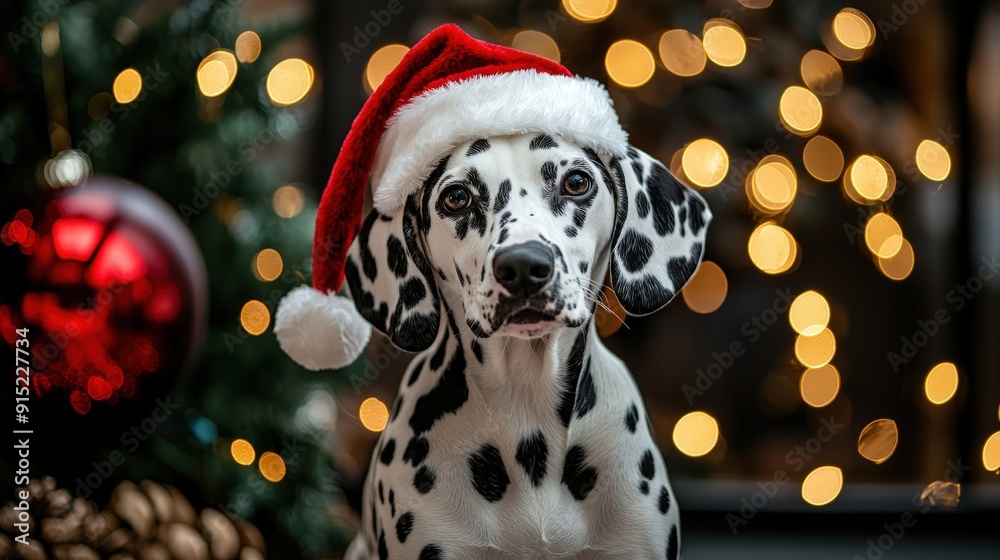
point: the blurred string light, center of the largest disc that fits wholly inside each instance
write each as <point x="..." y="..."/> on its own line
<point x="255" y="317"/>
<point x="705" y="162"/>
<point x="724" y="42"/>
<point x="899" y="266"/>
<point x="589" y="11"/>
<point x="878" y="440"/>
<point x="288" y="201"/>
<point x="991" y="453"/>
<point x="267" y="265"/>
<point x="127" y="86"/>
<point x="883" y="236"/>
<point x="682" y="53"/>
<point x="756" y="4"/>
<point x="247" y="46"/>
<point x="374" y="415"/>
<point x="816" y="351"/>
<point x="696" y="433"/>
<point x="821" y="72"/>
<point x="822" y="486"/>
<point x="853" y="29"/>
<point x="272" y="466"/>
<point x="941" y="383"/>
<point x="800" y="111"/>
<point x="809" y="314"/>
<point x="941" y="494"/>
<point x="772" y="249"/>
<point x="819" y="386"/>
<point x="289" y="81"/>
<point x="629" y="63"/>
<point x="933" y="160"/>
<point x="707" y="289"/>
<point x="538" y="43"/>
<point x="216" y="73"/>
<point x="823" y="159"/>
<point x="382" y="63"/>
<point x="772" y="185"/>
<point x="242" y="452"/>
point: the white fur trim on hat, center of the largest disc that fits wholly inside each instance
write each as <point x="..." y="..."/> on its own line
<point x="432" y="124"/>
<point x="320" y="331"/>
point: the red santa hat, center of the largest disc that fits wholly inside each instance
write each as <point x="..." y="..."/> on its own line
<point x="448" y="89"/>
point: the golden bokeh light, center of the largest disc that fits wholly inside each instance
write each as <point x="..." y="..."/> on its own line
<point x="819" y="386"/>
<point x="242" y="452"/>
<point x="821" y="72"/>
<point x="823" y="159"/>
<point x="589" y="11"/>
<point x="707" y="289"/>
<point x="382" y="63"/>
<point x="822" y="486"/>
<point x="772" y="248"/>
<point x="373" y="414"/>
<point x="724" y="42"/>
<point x="941" y="494"/>
<point x="247" y="46"/>
<point x="941" y="383"/>
<point x="272" y="466"/>
<point x="216" y="73"/>
<point x="267" y="265"/>
<point x="854" y="29"/>
<point x="816" y="351"/>
<point x="991" y="453"/>
<point x="682" y="52"/>
<point x="255" y="317"/>
<point x="538" y="43"/>
<point x="869" y="178"/>
<point x="899" y="266"/>
<point x="696" y="433"/>
<point x="878" y="440"/>
<point x="772" y="185"/>
<point x="800" y="110"/>
<point x="629" y="63"/>
<point x="705" y="162"/>
<point x="809" y="314"/>
<point x="756" y="4"/>
<point x="288" y="201"/>
<point x="883" y="236"/>
<point x="933" y="160"/>
<point x="289" y="81"/>
<point x="127" y="86"/>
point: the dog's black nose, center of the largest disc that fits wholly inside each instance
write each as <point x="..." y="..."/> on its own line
<point x="524" y="269"/>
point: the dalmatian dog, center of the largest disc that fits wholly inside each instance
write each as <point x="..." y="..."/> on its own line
<point x="516" y="434"/>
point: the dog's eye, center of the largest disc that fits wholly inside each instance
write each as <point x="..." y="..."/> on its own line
<point x="455" y="199"/>
<point x="576" y="183"/>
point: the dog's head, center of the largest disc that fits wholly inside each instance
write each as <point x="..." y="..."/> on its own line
<point x="514" y="235"/>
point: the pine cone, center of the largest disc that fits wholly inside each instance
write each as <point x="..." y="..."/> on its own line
<point x="145" y="522"/>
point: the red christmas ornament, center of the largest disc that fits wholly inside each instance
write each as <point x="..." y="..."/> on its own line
<point x="114" y="292"/>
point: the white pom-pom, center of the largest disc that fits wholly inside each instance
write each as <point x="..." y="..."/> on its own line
<point x="320" y="331"/>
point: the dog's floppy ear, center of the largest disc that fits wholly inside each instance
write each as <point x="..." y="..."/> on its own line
<point x="659" y="234"/>
<point x="390" y="278"/>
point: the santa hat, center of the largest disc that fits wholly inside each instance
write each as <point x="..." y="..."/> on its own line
<point x="448" y="89"/>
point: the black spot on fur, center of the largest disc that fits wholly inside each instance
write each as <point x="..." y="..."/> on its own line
<point x="424" y="480"/>
<point x="476" y="328"/>
<point x="368" y="264"/>
<point x="505" y="218"/>
<point x="396" y="256"/>
<point x="578" y="477"/>
<point x="672" y="548"/>
<point x="478" y="147"/>
<point x="696" y="209"/>
<point x="542" y="142"/>
<point x="395" y="408"/>
<point x="663" y="190"/>
<point x="644" y="487"/>
<point x="642" y="204"/>
<point x="383" y="551"/>
<point x="523" y="193"/>
<point x="631" y="417"/>
<point x="415" y="374"/>
<point x="447" y="396"/>
<point x="571" y="376"/>
<point x="646" y="465"/>
<point x="532" y="455"/>
<point x="430" y="552"/>
<point x="579" y="217"/>
<point x="388" y="451"/>
<point x="634" y="250"/>
<point x="503" y="236"/>
<point x="365" y="300"/>
<point x="392" y="501"/>
<point x="586" y="395"/>
<point x="477" y="350"/>
<point x="441" y="274"/>
<point x="404" y="525"/>
<point x="681" y="269"/>
<point x="664" y="501"/>
<point x="489" y="476"/>
<point x="381" y="494"/>
<point x="641" y="296"/>
<point x="584" y="266"/>
<point x="503" y="196"/>
<point x="416" y="451"/>
<point x="412" y="292"/>
<point x="571" y="232"/>
<point x="428" y="190"/>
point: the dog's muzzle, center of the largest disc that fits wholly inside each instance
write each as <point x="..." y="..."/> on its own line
<point x="524" y="270"/>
